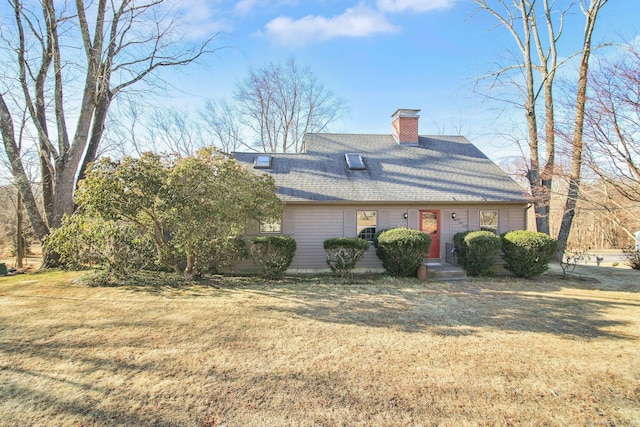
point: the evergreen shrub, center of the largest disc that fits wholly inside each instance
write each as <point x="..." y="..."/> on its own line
<point x="460" y="245"/>
<point x="480" y="251"/>
<point x="273" y="254"/>
<point x="402" y="250"/>
<point x="527" y="253"/>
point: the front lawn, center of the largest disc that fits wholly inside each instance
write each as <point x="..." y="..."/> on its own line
<point x="322" y="352"/>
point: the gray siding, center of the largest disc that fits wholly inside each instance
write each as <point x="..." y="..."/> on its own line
<point x="311" y="225"/>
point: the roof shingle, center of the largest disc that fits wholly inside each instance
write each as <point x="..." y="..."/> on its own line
<point x="437" y="169"/>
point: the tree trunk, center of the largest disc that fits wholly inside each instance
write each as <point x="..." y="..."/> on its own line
<point x="577" y="140"/>
<point x="19" y="236"/>
<point x="36" y="28"/>
<point x="19" y="174"/>
<point x="50" y="258"/>
<point x="96" y="135"/>
<point x="533" y="174"/>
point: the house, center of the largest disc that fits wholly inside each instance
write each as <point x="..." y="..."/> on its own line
<point x="347" y="185"/>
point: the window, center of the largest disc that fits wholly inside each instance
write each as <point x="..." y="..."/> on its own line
<point x="366" y="223"/>
<point x="489" y="221"/>
<point x="355" y="162"/>
<point x="270" y="227"/>
<point x="262" y="161"/>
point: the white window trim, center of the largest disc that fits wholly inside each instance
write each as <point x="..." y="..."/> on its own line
<point x="375" y="226"/>
<point x="263" y="224"/>
<point x="497" y="218"/>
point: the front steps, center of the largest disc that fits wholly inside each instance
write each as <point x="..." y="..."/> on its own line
<point x="443" y="271"/>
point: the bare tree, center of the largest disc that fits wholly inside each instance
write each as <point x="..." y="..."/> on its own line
<point x="534" y="79"/>
<point x="533" y="74"/>
<point x="577" y="143"/>
<point x="281" y="103"/>
<point x="612" y="123"/>
<point x="221" y="120"/>
<point x="160" y="129"/>
<point x="607" y="217"/>
<point x="173" y="129"/>
<point x="94" y="49"/>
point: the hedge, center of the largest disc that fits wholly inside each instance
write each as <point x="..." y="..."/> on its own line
<point x="402" y="250"/>
<point x="480" y="250"/>
<point x="527" y="253"/>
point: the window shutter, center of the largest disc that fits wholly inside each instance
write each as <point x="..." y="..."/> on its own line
<point x="445" y="224"/>
<point x="349" y="223"/>
<point x="503" y="221"/>
<point x="383" y="220"/>
<point x="412" y="219"/>
<point x="288" y="221"/>
<point x="474" y="220"/>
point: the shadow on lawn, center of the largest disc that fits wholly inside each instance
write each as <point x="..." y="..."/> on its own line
<point x="85" y="409"/>
<point x="37" y="389"/>
<point x="456" y="309"/>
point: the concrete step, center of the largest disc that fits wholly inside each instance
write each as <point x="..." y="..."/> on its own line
<point x="444" y="271"/>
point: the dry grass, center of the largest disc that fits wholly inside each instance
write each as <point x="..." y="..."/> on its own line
<point x="371" y="351"/>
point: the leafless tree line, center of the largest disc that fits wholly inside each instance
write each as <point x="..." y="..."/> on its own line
<point x="272" y="109"/>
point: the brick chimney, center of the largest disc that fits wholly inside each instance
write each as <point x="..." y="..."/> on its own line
<point x="405" y="126"/>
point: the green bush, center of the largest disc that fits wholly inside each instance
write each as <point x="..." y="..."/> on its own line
<point x="402" y="250"/>
<point x="527" y="253"/>
<point x="115" y="246"/>
<point x="344" y="252"/>
<point x="480" y="250"/>
<point x="273" y="254"/>
<point x="377" y="234"/>
<point x="461" y="245"/>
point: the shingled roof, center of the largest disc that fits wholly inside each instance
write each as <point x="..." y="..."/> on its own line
<point x="436" y="169"/>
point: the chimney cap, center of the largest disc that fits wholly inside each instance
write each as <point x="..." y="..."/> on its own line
<point x="405" y="112"/>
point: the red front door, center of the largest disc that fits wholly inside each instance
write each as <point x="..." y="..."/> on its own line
<point x="430" y="224"/>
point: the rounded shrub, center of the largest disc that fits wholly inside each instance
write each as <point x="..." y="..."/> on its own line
<point x="344" y="252"/>
<point x="402" y="250"/>
<point x="377" y="234"/>
<point x="527" y="253"/>
<point x="273" y="254"/>
<point x="480" y="251"/>
<point x="460" y="245"/>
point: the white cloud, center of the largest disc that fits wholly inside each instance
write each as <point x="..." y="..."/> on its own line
<point x="359" y="21"/>
<point x="244" y="7"/>
<point x="197" y="18"/>
<point x="398" y="6"/>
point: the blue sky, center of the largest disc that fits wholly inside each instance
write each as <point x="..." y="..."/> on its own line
<point x="381" y="55"/>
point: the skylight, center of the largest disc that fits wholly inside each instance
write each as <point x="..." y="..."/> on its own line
<point x="262" y="161"/>
<point x="355" y="162"/>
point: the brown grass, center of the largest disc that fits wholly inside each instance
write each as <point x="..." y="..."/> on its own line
<point x="314" y="351"/>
